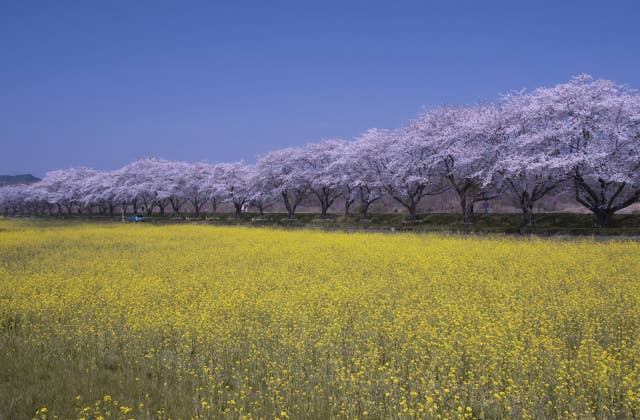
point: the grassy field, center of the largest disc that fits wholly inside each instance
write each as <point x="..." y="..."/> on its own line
<point x="545" y="224"/>
<point x="188" y="321"/>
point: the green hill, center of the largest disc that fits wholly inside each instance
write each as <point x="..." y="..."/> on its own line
<point x="17" y="179"/>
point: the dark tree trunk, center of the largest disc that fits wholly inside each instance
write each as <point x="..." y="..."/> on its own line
<point x="175" y="205"/>
<point x="366" y="201"/>
<point x="412" y="208"/>
<point x="238" y="207"/>
<point x="364" y="209"/>
<point x="604" y="199"/>
<point x="196" y="208"/>
<point x="603" y="217"/>
<point x="291" y="203"/>
<point x="413" y="211"/>
<point x="149" y="207"/>
<point x="461" y="187"/>
<point x="527" y="216"/>
<point x="349" y="199"/>
<point x="466" y="207"/>
<point x="526" y="204"/>
<point x="326" y="197"/>
<point x="411" y="202"/>
<point x="465" y="198"/>
<point x="323" y="210"/>
<point x="291" y="209"/>
<point x="347" y="205"/>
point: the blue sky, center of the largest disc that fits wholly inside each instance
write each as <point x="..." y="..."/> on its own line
<point x="100" y="83"/>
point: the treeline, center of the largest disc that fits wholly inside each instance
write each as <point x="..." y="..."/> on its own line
<point x="581" y="137"/>
<point x="17" y="179"/>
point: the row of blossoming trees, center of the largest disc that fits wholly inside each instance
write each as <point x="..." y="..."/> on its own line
<point x="581" y="137"/>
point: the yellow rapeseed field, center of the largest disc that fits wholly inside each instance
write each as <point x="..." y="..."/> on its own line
<point x="142" y="321"/>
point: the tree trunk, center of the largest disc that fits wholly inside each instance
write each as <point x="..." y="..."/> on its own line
<point x="364" y="210"/>
<point x="467" y="212"/>
<point x="605" y="199"/>
<point x="238" y="207"/>
<point x="323" y="211"/>
<point x="526" y="204"/>
<point x="366" y="201"/>
<point x="527" y="215"/>
<point x="175" y="205"/>
<point x="347" y="205"/>
<point x="413" y="210"/>
<point x="291" y="209"/>
<point x="466" y="207"/>
<point x="603" y="217"/>
<point x="411" y="204"/>
<point x="326" y="200"/>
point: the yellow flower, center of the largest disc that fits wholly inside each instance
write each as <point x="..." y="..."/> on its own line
<point x="181" y="321"/>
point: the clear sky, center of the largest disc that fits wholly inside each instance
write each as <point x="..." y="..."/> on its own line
<point x="99" y="83"/>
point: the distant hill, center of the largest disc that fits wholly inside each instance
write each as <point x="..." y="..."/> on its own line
<point x="17" y="179"/>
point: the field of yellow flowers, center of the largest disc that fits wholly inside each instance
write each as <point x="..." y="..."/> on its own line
<point x="141" y="321"/>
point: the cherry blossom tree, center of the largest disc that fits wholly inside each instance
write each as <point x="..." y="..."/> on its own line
<point x="142" y="183"/>
<point x="317" y="168"/>
<point x="65" y="187"/>
<point x="405" y="171"/>
<point x="262" y="195"/>
<point x="459" y="144"/>
<point x="176" y="185"/>
<point x="12" y="199"/>
<point x="356" y="167"/>
<point x="196" y="186"/>
<point x="597" y="123"/>
<point x="100" y="190"/>
<point x="234" y="182"/>
<point x="282" y="173"/>
<point x="529" y="161"/>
